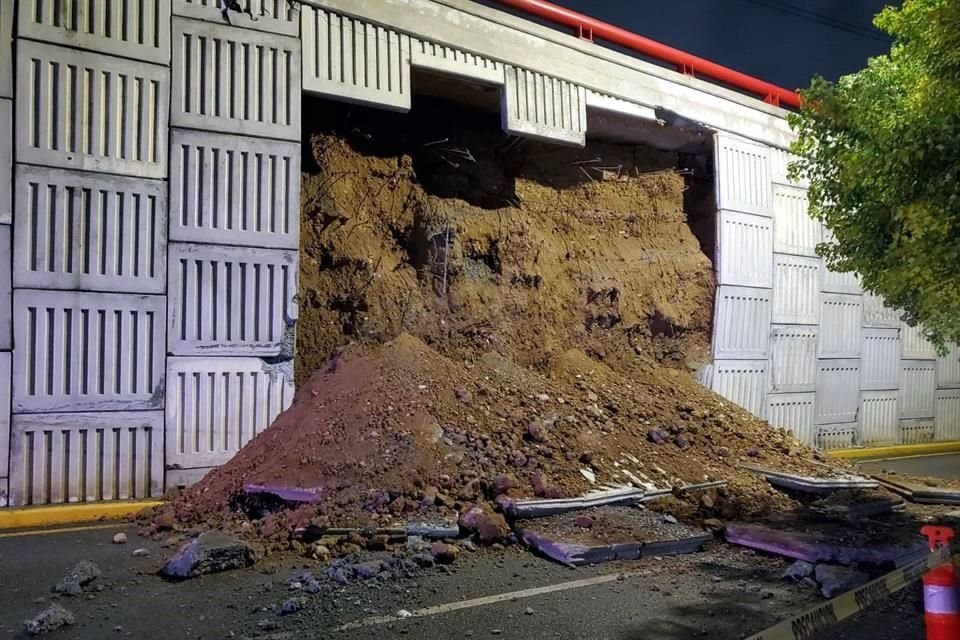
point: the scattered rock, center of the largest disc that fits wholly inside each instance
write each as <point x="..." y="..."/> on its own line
<point x="490" y="527"/>
<point x="586" y="457"/>
<point x="292" y="605"/>
<point x="463" y="395"/>
<point x="140" y="553"/>
<point x="503" y="483"/>
<point x="753" y="452"/>
<point x="318" y="551"/>
<point x="542" y="397"/>
<point x="536" y="431"/>
<point x="210" y="552"/>
<point x="723" y="452"/>
<point x="120" y="538"/>
<point x="657" y="436"/>
<point x="594" y="412"/>
<point x="367" y="570"/>
<point x="403" y="613"/>
<point x="681" y="441"/>
<point x="50" y="619"/>
<point x="528" y="611"/>
<point x="835" y="579"/>
<point x="378" y="542"/>
<point x="467" y="544"/>
<point x="444" y="553"/>
<point x="422" y="560"/>
<point x="268" y="625"/>
<point x="82" y="574"/>
<point x="714" y="525"/>
<point x="799" y="570"/>
<point x="584" y="522"/>
<point x="668" y="519"/>
<point x="707" y="501"/>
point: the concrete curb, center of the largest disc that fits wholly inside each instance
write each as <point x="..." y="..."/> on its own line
<point x="17" y="518"/>
<point x="897" y="451"/>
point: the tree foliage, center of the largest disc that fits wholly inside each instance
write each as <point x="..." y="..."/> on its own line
<point x="881" y="149"/>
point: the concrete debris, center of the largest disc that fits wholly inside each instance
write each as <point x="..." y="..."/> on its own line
<point x="440" y="530"/>
<point x="919" y="493"/>
<point x="835" y="580"/>
<point x="812" y="548"/>
<point x="489" y="527"/>
<point x="210" y="552"/>
<point x="82" y="574"/>
<point x="140" y="553"/>
<point x="810" y="484"/>
<point x="292" y="605"/>
<point x="50" y="619"/>
<point x="120" y="538"/>
<point x="444" y="553"/>
<point x="799" y="570"/>
<point x="403" y="613"/>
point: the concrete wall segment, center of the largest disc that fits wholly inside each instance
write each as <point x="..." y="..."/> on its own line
<point x="274" y="16"/>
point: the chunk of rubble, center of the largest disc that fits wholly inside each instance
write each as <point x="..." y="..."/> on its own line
<point x="835" y="580"/>
<point x="799" y="570"/>
<point x="82" y="574"/>
<point x="50" y="619"/>
<point x="210" y="552"/>
<point x="490" y="527"/>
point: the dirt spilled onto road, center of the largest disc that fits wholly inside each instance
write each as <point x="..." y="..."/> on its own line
<point x="483" y="316"/>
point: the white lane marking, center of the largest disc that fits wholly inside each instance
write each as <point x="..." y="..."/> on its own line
<point x="488" y="600"/>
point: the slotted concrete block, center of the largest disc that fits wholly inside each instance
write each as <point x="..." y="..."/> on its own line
<point x="275" y="16"/>
<point x="535" y="105"/>
<point x="6" y="293"/>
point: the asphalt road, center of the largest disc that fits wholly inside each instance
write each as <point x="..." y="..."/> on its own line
<point x="724" y="592"/>
<point x="937" y="466"/>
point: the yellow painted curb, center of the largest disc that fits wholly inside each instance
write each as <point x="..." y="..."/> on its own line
<point x="60" y="514"/>
<point x="897" y="451"/>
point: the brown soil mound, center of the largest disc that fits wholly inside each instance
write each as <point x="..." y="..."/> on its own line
<point x="515" y="314"/>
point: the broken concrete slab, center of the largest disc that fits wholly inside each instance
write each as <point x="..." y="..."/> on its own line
<point x="50" y="619"/>
<point x="616" y="533"/>
<point x="919" y="493"/>
<point x="523" y="509"/>
<point x="835" y="580"/>
<point x="82" y="574"/>
<point x="811" y="548"/>
<point x="210" y="552"/>
<point x="811" y="484"/>
<point x="287" y="494"/>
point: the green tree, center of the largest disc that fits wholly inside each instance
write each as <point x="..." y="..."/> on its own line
<point x="881" y="149"/>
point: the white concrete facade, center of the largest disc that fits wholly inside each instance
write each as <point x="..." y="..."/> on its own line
<point x="149" y="214"/>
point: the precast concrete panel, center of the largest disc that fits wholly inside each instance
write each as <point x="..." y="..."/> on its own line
<point x="137" y="29"/>
<point x="353" y="60"/>
<point x="834" y="282"/>
<point x="745" y="250"/>
<point x="79" y="230"/>
<point x="6" y="51"/>
<point x="216" y="405"/>
<point x="880" y="368"/>
<point x="915" y="345"/>
<point x="79" y="351"/>
<point x="6" y="161"/>
<point x="5" y="373"/>
<point x="6" y="295"/>
<point x="947" y="415"/>
<point x="534" y="105"/>
<point x="841" y="317"/>
<point x="948" y="368"/>
<point x="742" y="323"/>
<point x="779" y="162"/>
<point x="743" y="382"/>
<point x="838" y="391"/>
<point x="235" y="80"/>
<point x="879" y="417"/>
<point x="795" y="412"/>
<point x="456" y="62"/>
<point x="236" y="190"/>
<point x="274" y="16"/>
<point x="80" y="110"/>
<point x="916" y="430"/>
<point x="877" y="314"/>
<point x="743" y="176"/>
<point x="918" y="383"/>
<point x="231" y="300"/>
<point x="793" y="358"/>
<point x="80" y="457"/>
<point x="837" y="436"/>
<point x="796" y="289"/>
<point x="794" y="231"/>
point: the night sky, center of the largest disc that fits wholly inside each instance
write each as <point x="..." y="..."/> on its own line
<point x="782" y="41"/>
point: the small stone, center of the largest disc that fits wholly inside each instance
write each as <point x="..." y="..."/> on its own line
<point x="536" y="431"/>
<point x="403" y="613"/>
<point x="463" y="395"/>
<point x="723" y="452"/>
<point x="292" y="605"/>
<point x="592" y="397"/>
<point x="682" y="442"/>
<point x="118" y="629"/>
<point x="318" y="552"/>
<point x="584" y="522"/>
<point x="707" y="501"/>
<point x="767" y="595"/>
<point x="496" y="632"/>
<point x="268" y="625"/>
<point x="716" y="578"/>
<point x="713" y="524"/>
<point x="656" y="436"/>
<point x="528" y="611"/>
<point x="444" y="553"/>
<point x="594" y="412"/>
<point x="668" y="519"/>
<point x="423" y="560"/>
<point x="503" y="483"/>
<point x="467" y="545"/>
<point x="367" y="570"/>
<point x="120" y="538"/>
<point x="140" y="553"/>
<point x="542" y="397"/>
<point x="753" y="452"/>
<point x="50" y="619"/>
<point x="378" y="542"/>
<point x="586" y="457"/>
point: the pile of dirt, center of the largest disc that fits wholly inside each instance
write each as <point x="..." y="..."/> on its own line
<point x="480" y="316"/>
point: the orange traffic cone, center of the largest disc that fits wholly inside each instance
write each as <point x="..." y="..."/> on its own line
<point x="940" y="604"/>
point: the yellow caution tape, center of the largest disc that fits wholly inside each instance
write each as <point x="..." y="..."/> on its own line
<point x="813" y="621"/>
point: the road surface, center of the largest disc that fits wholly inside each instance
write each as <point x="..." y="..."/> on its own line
<point x="937" y="466"/>
<point x="721" y="593"/>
